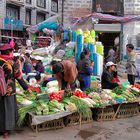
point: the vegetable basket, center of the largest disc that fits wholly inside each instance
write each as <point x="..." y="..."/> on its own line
<point x="128" y="110"/>
<point x="76" y="119"/>
<point x="103" y="114"/>
<point x="48" y="125"/>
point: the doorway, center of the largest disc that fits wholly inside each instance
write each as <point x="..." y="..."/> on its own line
<point x="108" y="40"/>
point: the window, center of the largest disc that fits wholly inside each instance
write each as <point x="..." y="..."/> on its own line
<point x="29" y="1"/>
<point x="114" y="7"/>
<point x="40" y="17"/>
<point x="41" y="3"/>
<point x="28" y="17"/>
<point x="54" y="5"/>
<point x="12" y="12"/>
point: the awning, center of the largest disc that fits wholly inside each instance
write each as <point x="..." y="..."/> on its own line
<point x="105" y="17"/>
<point x="51" y="23"/>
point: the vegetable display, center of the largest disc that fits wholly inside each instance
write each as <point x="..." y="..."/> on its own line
<point x="67" y="100"/>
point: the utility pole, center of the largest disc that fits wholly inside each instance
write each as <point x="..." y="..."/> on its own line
<point x="63" y="11"/>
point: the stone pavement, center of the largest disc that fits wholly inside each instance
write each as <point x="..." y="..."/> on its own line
<point x="122" y="129"/>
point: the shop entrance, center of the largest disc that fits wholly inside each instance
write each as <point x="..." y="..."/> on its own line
<point x="107" y="40"/>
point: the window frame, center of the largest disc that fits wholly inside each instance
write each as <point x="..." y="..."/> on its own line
<point x="40" y="13"/>
<point x="11" y="7"/>
<point x="55" y="1"/>
<point x="30" y="16"/>
<point x="29" y="1"/>
<point x="120" y="6"/>
<point x="39" y="5"/>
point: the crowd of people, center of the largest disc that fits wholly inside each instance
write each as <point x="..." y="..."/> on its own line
<point x="65" y="72"/>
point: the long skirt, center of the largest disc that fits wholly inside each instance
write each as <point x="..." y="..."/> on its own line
<point x="8" y="113"/>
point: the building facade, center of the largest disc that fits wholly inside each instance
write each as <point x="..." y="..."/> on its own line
<point x="127" y="33"/>
<point x="17" y="15"/>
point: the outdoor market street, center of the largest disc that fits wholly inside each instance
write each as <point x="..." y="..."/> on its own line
<point x="121" y="129"/>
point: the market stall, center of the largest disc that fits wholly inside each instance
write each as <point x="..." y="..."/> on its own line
<point x="59" y="109"/>
<point x="49" y="108"/>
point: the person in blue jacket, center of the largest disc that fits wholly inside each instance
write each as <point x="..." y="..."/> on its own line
<point x="84" y="70"/>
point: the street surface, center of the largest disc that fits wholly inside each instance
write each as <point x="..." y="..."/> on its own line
<point x="122" y="129"/>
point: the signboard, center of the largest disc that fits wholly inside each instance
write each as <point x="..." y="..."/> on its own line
<point x="54" y="5"/>
<point x="12" y="24"/>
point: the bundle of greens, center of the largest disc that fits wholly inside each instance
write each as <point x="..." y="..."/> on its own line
<point x="118" y="90"/>
<point x="82" y="106"/>
<point x="55" y="106"/>
<point x="90" y="90"/>
<point x="23" y="111"/>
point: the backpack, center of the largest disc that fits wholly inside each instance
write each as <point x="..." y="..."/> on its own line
<point x="3" y="85"/>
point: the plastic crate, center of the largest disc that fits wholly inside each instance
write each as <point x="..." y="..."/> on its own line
<point x="103" y="114"/>
<point x="48" y="125"/>
<point x="128" y="110"/>
<point x="74" y="119"/>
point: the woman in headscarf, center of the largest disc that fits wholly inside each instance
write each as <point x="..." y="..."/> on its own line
<point x="84" y="67"/>
<point x="8" y="105"/>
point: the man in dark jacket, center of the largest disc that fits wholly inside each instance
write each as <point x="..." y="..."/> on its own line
<point x="107" y="76"/>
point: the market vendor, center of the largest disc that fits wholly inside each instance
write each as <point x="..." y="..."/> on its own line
<point x="66" y="74"/>
<point x="107" y="81"/>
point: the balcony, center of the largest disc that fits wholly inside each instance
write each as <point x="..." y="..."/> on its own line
<point x="15" y="2"/>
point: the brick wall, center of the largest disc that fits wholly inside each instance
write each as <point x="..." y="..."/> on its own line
<point x="74" y="8"/>
<point x="2" y="9"/>
<point x="132" y="7"/>
<point x="131" y="34"/>
<point x="83" y="7"/>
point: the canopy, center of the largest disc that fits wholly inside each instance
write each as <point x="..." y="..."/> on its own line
<point x="106" y="17"/>
<point x="51" y="23"/>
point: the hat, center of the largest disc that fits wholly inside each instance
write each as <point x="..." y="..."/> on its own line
<point x="5" y="47"/>
<point x="56" y="68"/>
<point x="110" y="64"/>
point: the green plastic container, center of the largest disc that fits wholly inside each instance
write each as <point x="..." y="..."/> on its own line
<point x="93" y="78"/>
<point x="48" y="70"/>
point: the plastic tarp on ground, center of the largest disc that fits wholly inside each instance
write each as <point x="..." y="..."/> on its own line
<point x="41" y="119"/>
<point x="106" y="17"/>
<point x="51" y="23"/>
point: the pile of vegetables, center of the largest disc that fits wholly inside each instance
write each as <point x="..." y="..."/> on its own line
<point x="136" y="86"/>
<point x="79" y="93"/>
<point x="59" y="101"/>
<point x="36" y="89"/>
<point x="55" y="96"/>
<point x="55" y="106"/>
<point x="52" y="86"/>
<point x="82" y="106"/>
